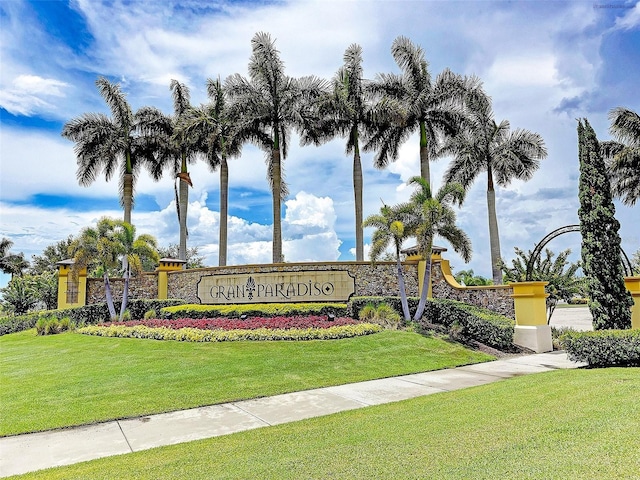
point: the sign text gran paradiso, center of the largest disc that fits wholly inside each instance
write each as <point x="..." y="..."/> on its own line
<point x="277" y="287"/>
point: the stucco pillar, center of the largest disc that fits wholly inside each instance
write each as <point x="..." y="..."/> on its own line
<point x="422" y="270"/>
<point x="72" y="286"/>
<point x="166" y="265"/>
<point x="532" y="330"/>
<point x="633" y="285"/>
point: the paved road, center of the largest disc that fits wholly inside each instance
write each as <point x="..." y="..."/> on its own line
<point x="578" y="318"/>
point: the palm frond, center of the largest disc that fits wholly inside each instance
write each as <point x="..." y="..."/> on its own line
<point x="625" y="126"/>
<point x="181" y="97"/>
<point x="116" y="101"/>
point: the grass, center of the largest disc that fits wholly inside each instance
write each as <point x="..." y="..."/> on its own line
<point x="555" y="425"/>
<point x="70" y="379"/>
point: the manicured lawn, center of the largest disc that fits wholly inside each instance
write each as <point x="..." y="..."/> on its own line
<point x="71" y="379"/>
<point x="577" y="424"/>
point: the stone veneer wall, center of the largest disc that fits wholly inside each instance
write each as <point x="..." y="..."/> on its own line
<point x="497" y="298"/>
<point x="143" y="286"/>
<point x="379" y="279"/>
<point x="371" y="280"/>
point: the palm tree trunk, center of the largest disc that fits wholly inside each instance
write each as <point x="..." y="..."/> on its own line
<point x="183" y="201"/>
<point x="109" y="296"/>
<point x="357" y="191"/>
<point x="224" y="210"/>
<point x="125" y="293"/>
<point x="425" y="282"/>
<point x="403" y="291"/>
<point x="183" y="206"/>
<point x="494" y="238"/>
<point x="127" y="196"/>
<point x="424" y="154"/>
<point x="277" y="202"/>
<point x="425" y="286"/>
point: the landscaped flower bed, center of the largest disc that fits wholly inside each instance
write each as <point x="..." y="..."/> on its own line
<point x="251" y="323"/>
<point x="224" y="329"/>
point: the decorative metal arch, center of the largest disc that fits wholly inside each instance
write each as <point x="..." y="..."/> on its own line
<point x="626" y="264"/>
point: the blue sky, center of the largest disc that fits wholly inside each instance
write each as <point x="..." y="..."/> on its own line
<point x="543" y="63"/>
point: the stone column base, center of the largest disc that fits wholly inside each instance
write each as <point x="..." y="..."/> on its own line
<point x="534" y="337"/>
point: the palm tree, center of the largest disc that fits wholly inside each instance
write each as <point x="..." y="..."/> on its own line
<point x="110" y="245"/>
<point x="181" y="106"/>
<point x="347" y="112"/>
<point x="434" y="108"/>
<point x="97" y="247"/>
<point x="469" y="279"/>
<point x="174" y="149"/>
<point x="133" y="250"/>
<point x="485" y="146"/>
<point x="11" y="263"/>
<point x="623" y="155"/>
<point x="220" y="137"/>
<point x="270" y="104"/>
<point x="389" y="225"/>
<point x="110" y="144"/>
<point x="435" y="216"/>
<point x="561" y="284"/>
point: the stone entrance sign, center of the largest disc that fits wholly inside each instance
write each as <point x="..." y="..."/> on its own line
<point x="277" y="287"/>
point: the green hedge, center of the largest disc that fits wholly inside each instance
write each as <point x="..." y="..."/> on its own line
<point x="18" y="323"/>
<point x="254" y="310"/>
<point x="358" y="303"/>
<point x="480" y="324"/>
<point x="603" y="348"/>
<point x="470" y="321"/>
<point x="99" y="312"/>
<point x="86" y="315"/>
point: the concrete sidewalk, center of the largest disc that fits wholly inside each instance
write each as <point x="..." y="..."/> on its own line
<point x="36" y="451"/>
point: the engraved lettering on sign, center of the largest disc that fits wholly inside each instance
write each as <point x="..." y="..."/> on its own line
<point x="300" y="286"/>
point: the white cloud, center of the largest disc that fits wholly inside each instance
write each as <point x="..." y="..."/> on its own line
<point x="631" y="19"/>
<point x="306" y="210"/>
<point x="47" y="162"/>
<point x="38" y="85"/>
<point x="249" y="242"/>
<point x="523" y="71"/>
<point x="530" y="56"/>
<point x="30" y="94"/>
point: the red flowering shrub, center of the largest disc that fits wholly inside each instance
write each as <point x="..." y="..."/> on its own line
<point x="251" y="323"/>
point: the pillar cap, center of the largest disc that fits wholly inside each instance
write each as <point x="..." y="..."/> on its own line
<point x="171" y="260"/>
<point x="68" y="261"/>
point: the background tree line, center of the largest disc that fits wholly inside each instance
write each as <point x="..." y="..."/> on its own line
<point x="452" y="114"/>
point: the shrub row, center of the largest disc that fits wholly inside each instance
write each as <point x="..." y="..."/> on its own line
<point x="473" y="322"/>
<point x="50" y="325"/>
<point x="86" y="315"/>
<point x="198" y="335"/>
<point x="603" y="348"/>
<point x="578" y="301"/>
<point x="253" y="310"/>
<point x="18" y="323"/>
<point x="356" y="304"/>
<point x="469" y="321"/>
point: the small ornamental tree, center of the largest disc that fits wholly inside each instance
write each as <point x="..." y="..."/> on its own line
<point x="635" y="262"/>
<point x="609" y="300"/>
<point x="561" y="284"/>
<point x="389" y="225"/>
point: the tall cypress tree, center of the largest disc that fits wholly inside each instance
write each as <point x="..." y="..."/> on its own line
<point x="610" y="301"/>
